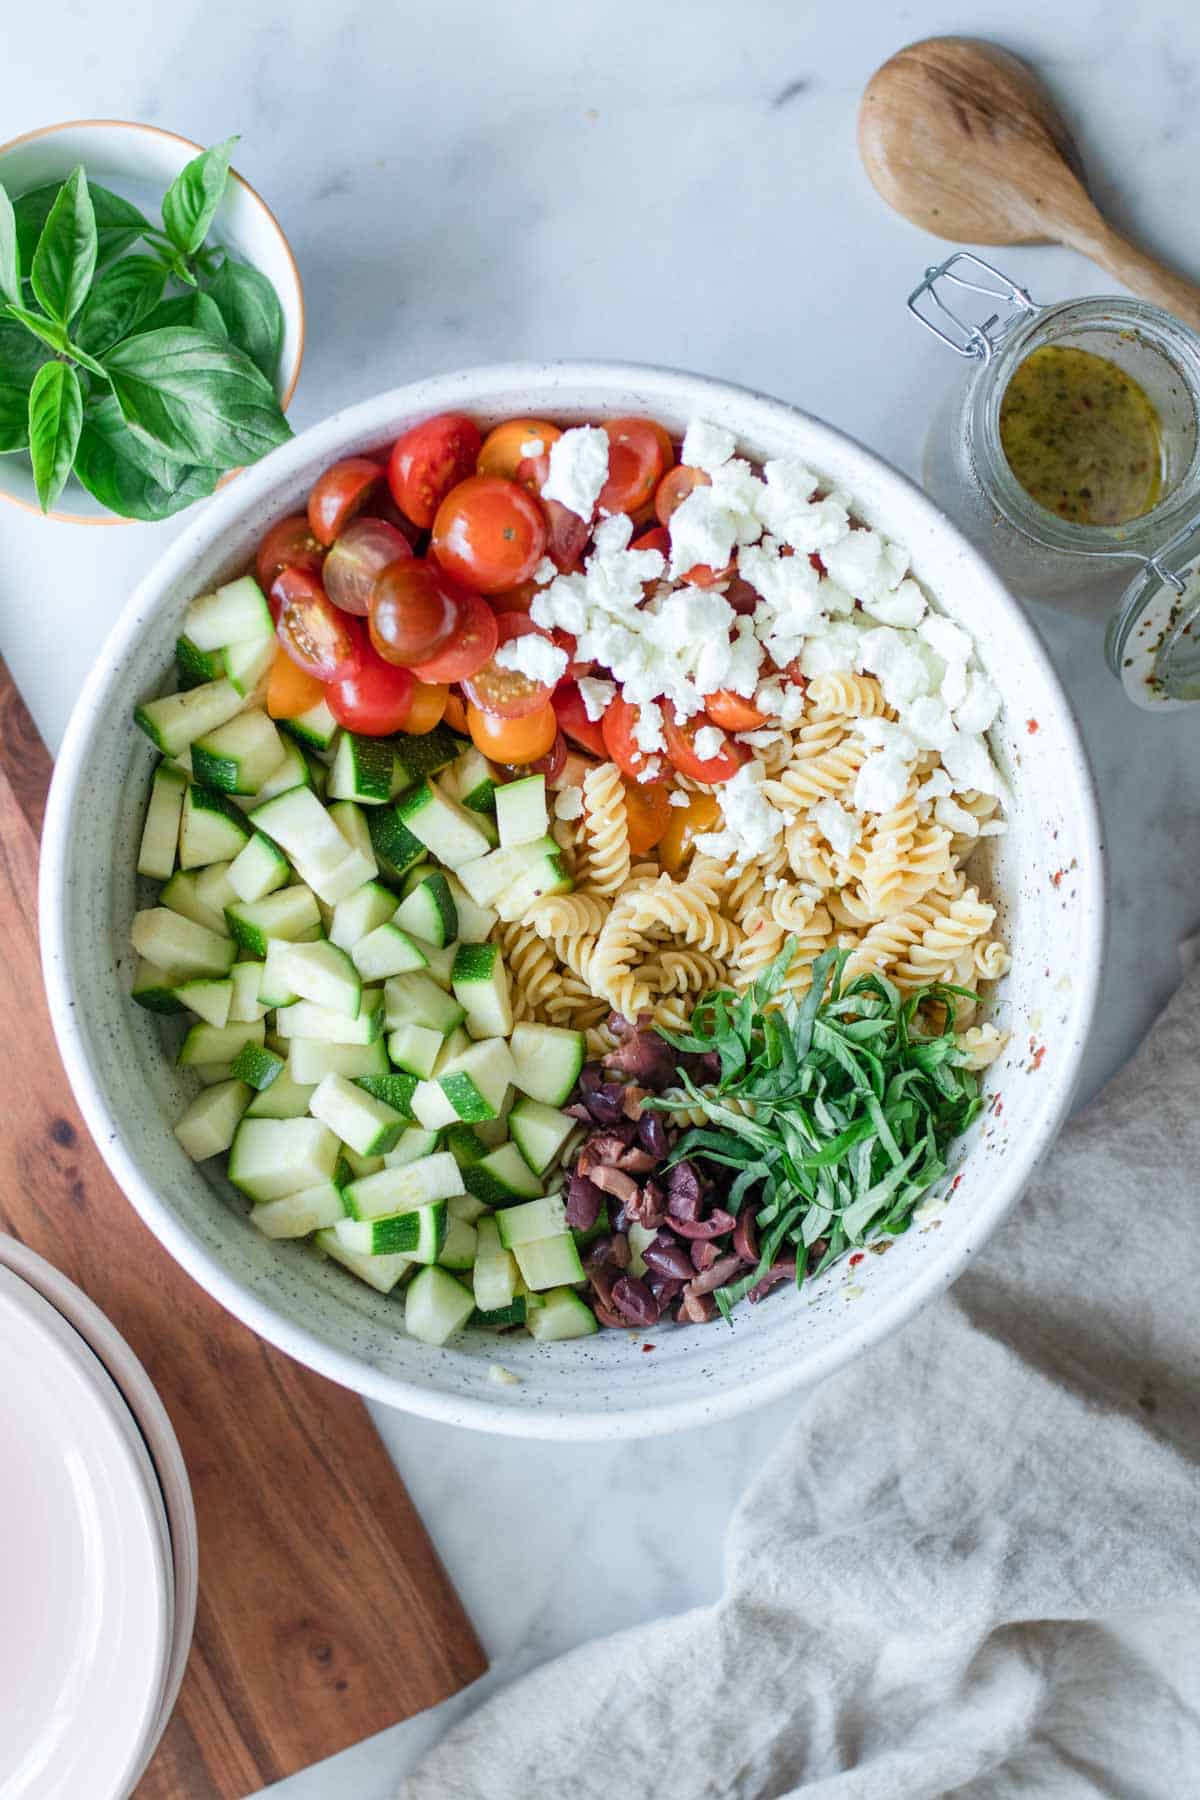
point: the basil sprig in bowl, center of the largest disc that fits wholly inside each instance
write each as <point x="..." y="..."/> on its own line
<point x="150" y="330"/>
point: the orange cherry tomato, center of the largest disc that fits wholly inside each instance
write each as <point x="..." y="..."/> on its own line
<point x="731" y="712"/>
<point x="289" y="544"/>
<point x="681" y="748"/>
<point x="339" y="493"/>
<point x="573" y="719"/>
<point x="520" y="740"/>
<point x="503" y="448"/>
<point x="318" y="638"/>
<point x="703" y="576"/>
<point x="702" y="813"/>
<point x="639" y="452"/>
<point x="675" y="487"/>
<point x="506" y="692"/>
<point x="471" y="644"/>
<point x="427" y="462"/>
<point x="515" y="599"/>
<point x="455" y="715"/>
<point x="648" y="813"/>
<point x="617" y="728"/>
<point x="426" y="708"/>
<point x="489" y="534"/>
<point x="290" y="691"/>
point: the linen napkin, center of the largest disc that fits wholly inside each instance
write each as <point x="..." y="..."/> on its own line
<point x="974" y="1566"/>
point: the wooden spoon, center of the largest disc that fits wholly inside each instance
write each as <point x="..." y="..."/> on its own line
<point x="963" y="139"/>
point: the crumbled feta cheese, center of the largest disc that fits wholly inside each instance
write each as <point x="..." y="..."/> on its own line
<point x="837" y="825"/>
<point x="882" y="782"/>
<point x="706" y="446"/>
<point x="597" y="696"/>
<point x="614" y="533"/>
<point x="652" y="770"/>
<point x="708" y="742"/>
<point x="787" y="509"/>
<point x="894" y="658"/>
<point x="977" y="709"/>
<point x="857" y="562"/>
<point x="833" y="652"/>
<point x="533" y="446"/>
<point x="534" y="657"/>
<point x="947" y="639"/>
<point x="648" y="730"/>
<point x="677" y="797"/>
<point x="903" y="605"/>
<point x="703" y="530"/>
<point x="936" y="786"/>
<point x="927" y="721"/>
<point x="568" y="803"/>
<point x="956" y="818"/>
<point x="578" y="469"/>
<point x="546" y="572"/>
<point x="967" y="762"/>
<point x="750" y="824"/>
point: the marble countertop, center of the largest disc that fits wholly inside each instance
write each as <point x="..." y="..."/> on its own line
<point x="675" y="183"/>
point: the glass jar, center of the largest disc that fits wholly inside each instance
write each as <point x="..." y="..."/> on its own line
<point x="1153" y="639"/>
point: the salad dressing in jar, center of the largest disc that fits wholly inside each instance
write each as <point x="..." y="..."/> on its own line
<point x="1070" y="450"/>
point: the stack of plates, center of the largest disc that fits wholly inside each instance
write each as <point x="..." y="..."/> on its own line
<point x="98" y="1561"/>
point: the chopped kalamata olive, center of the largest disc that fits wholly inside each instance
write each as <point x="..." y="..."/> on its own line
<point x="605" y="1100"/>
<point x="745" y="1236"/>
<point x="685" y="1195"/>
<point x="696" y="1309"/>
<point x="704" y="1253"/>
<point x="717" y="1224"/>
<point x="646" y="1058"/>
<point x="652" y="1134"/>
<point x="665" y="1288"/>
<point x="633" y="1298"/>
<point x="649" y="1207"/>
<point x="622" y="1187"/>
<point x="721" y="1272"/>
<point x="784" y="1270"/>
<point x="667" y="1256"/>
<point x="620" y="1252"/>
<point x="584" y="1200"/>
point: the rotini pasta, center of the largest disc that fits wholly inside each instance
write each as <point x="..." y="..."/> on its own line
<point x="605" y="833"/>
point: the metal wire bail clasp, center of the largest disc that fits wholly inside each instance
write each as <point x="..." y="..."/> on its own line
<point x="966" y="270"/>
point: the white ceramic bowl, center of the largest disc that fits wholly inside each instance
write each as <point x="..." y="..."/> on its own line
<point x="139" y="162"/>
<point x="1047" y="875"/>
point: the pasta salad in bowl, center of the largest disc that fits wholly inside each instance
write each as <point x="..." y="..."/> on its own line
<point x="592" y="882"/>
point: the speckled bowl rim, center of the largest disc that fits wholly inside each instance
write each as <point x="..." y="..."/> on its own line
<point x="684" y="393"/>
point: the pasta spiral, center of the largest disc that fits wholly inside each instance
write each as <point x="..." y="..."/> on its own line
<point x="605" y="829"/>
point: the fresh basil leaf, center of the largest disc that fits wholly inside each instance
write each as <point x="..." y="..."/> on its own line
<point x="47" y="330"/>
<point x="65" y="259"/>
<point x="10" y="260"/>
<point x="124" y="474"/>
<point x="193" y="197"/>
<point x="251" y="310"/>
<point x="206" y="316"/>
<point x="21" y="354"/>
<point x="185" y="309"/>
<point x="14" y="418"/>
<point x="118" y="224"/>
<point x="195" y="399"/>
<point x="55" y="419"/>
<point x="119" y="302"/>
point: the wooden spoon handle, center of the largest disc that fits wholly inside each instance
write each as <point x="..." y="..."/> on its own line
<point x="1144" y="274"/>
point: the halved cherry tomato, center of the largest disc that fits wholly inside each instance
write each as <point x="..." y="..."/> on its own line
<point x="489" y="533"/>
<point x="566" y="533"/>
<point x="504" y="692"/>
<point x="741" y="596"/>
<point x="455" y="715"/>
<point x="363" y="551"/>
<point x="702" y="813"/>
<point x="702" y="576"/>
<point x="731" y="712"/>
<point x="504" y="446"/>
<point x="289" y="544"/>
<point x="616" y="728"/>
<point x="682" y="752"/>
<point x="655" y="537"/>
<point x="639" y="452"/>
<point x="414" y="613"/>
<point x="512" y="740"/>
<point x="515" y="599"/>
<point x="339" y="493"/>
<point x="551" y="765"/>
<point x="427" y="707"/>
<point x="675" y="487"/>
<point x="290" y="691"/>
<point x="371" y="696"/>
<point x="427" y="462"/>
<point x="316" y="636"/>
<point x="573" y="719"/>
<point x="647" y="812"/>
<point x="471" y="644"/>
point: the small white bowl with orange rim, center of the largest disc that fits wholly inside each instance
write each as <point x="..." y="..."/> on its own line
<point x="139" y="162"/>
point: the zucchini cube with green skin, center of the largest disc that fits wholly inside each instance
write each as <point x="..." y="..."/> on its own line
<point x="291" y="772"/>
<point x="211" y="828"/>
<point x="361" y="913"/>
<point x="362" y="770"/>
<point x="160" y="834"/>
<point x="547" y="875"/>
<point x="249" y="663"/>
<point x="370" y="1127"/>
<point x="447" y="830"/>
<point x="416" y="1000"/>
<point x="502" y="1177"/>
<point x="436" y="1305"/>
<point x="287" y="915"/>
<point x="387" y="950"/>
<point x="439" y="963"/>
<point x="259" y="869"/>
<point x="562" y="1315"/>
<point x="424" y="755"/>
<point x="479" y="981"/>
<point x="258" y="1067"/>
<point x="549" y="1262"/>
<point x="415" y="1049"/>
<point x="396" y="1092"/>
<point x="525" y="1224"/>
<point x="500" y="1317"/>
<point x="488" y="877"/>
<point x="404" y="1187"/>
<point x="207" y="1127"/>
<point x="310" y="1060"/>
<point x="419" y="1235"/>
<point x="210" y="1000"/>
<point x="539" y="1131"/>
<point x="521" y="811"/>
<point x="155" y="988"/>
<point x="182" y="895"/>
<point x="218" y="1043"/>
<point x="415" y="1144"/>
<point x="547" y="1060"/>
<point x="170" y="941"/>
<point x="476" y="1082"/>
<point x="299" y="1215"/>
<point x="458" y="1245"/>
<point x="236" y="611"/>
<point x="305" y="1019"/>
<point x="238" y="756"/>
<point x="302" y="828"/>
<point x="274" y="1157"/>
<point x="245" y="1006"/>
<point x="195" y="666"/>
<point x="494" y="1277"/>
<point x="475" y="923"/>
<point x="380" y="1272"/>
<point x="395" y="847"/>
<point x="174" y="723"/>
<point x="322" y="973"/>
<point x="428" y="909"/>
<point x="316" y="729"/>
<point x="284" y="1099"/>
<point x="471" y="780"/>
<point x="214" y="888"/>
<point x="464" y="1145"/>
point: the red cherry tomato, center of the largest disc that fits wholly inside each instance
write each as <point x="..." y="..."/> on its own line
<point x="731" y="712"/>
<point x="414" y="613"/>
<point x="489" y="534"/>
<point x="566" y="533"/>
<point x="681" y="748"/>
<point x="339" y="493"/>
<point x="616" y="729"/>
<point x="371" y="696"/>
<point x="639" y="452"/>
<point x="316" y="636"/>
<point x="289" y="544"/>
<point x="703" y="576"/>
<point x="427" y="462"/>
<point x="471" y="644"/>
<point x="363" y="551"/>
<point x="504" y="692"/>
<point x="655" y="537"/>
<point x="519" y="740"/>
<point x="572" y="718"/>
<point x="675" y="487"/>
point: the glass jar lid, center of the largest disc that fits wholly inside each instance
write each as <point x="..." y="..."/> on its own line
<point x="1153" y="638"/>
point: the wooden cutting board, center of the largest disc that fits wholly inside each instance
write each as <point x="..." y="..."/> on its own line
<point x="324" y="1612"/>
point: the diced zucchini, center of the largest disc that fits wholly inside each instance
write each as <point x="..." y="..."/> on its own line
<point x="419" y="1235"/>
<point x="214" y="888"/>
<point x="549" y="1262"/>
<point x="500" y="1317"/>
<point x="259" y="869"/>
<point x="235" y="612"/>
<point x="436" y="1305"/>
<point x="501" y="1177"/>
<point x="310" y="1060"/>
<point x="489" y="876"/>
<point x="415" y="1048"/>
<point x="439" y="963"/>
<point x="195" y="666"/>
<point x="413" y="1145"/>
<point x="238" y="757"/>
<point x="284" y="1099"/>
<point x="218" y="1043"/>
<point x="466" y="1206"/>
<point x="208" y="1126"/>
<point x="404" y="1187"/>
<point x="211" y="828"/>
<point x="562" y="1315"/>
<point x="495" y="1273"/>
<point x="209" y="999"/>
<point x="476" y="1082"/>
<point x="305" y="1019"/>
<point x="288" y="914"/>
<point x="548" y="875"/>
<point x="428" y="910"/>
<point x="258" y="1067"/>
<point x="212" y="1074"/>
<point x="155" y="988"/>
<point x="380" y="1272"/>
<point x="396" y="1091"/>
<point x="458" y="1245"/>
<point x="547" y="1060"/>
<point x="291" y="772"/>
<point x="170" y="941"/>
<point x="303" y="830"/>
<point x="475" y="923"/>
<point x="249" y="663"/>
<point x="521" y="811"/>
<point x="369" y="1126"/>
<point x="464" y="1144"/>
<point x="396" y="849"/>
<point x="322" y="973"/>
<point x="639" y="1236"/>
<point x="160" y="834"/>
<point x="480" y="984"/>
<point x="443" y="826"/>
<point x="273" y="1157"/>
<point x="177" y="720"/>
<point x="182" y="895"/>
<point x="526" y="1224"/>
<point x="245" y="1004"/>
<point x="424" y="755"/>
<point x="361" y="913"/>
<point x="539" y="1132"/>
<point x="387" y="951"/>
<point x="317" y="727"/>
<point x="416" y="1000"/>
<point x="471" y="781"/>
<point x="299" y="1215"/>
<point x="362" y="770"/>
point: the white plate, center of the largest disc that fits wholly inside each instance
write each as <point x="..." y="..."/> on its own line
<point x="85" y="1586"/>
<point x="155" y="1427"/>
